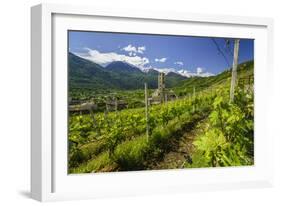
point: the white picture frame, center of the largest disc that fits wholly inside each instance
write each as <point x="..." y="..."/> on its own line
<point x="49" y="178"/>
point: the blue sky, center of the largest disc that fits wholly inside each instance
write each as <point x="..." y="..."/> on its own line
<point x="183" y="54"/>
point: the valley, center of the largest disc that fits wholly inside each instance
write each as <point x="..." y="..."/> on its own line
<point x="181" y="122"/>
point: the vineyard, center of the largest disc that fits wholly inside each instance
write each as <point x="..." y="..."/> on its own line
<point x="139" y="138"/>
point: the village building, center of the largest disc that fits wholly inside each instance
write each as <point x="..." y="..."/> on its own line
<point x="162" y="94"/>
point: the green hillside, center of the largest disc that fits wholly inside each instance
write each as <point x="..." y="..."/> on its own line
<point x="86" y="75"/>
<point x="244" y="69"/>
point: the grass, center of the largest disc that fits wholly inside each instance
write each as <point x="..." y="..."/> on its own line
<point x="94" y="164"/>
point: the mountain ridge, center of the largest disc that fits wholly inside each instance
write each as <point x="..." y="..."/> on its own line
<point x="116" y="75"/>
<point x="122" y="66"/>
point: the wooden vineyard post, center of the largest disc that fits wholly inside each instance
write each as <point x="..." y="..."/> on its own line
<point x="234" y="69"/>
<point x="146" y="110"/>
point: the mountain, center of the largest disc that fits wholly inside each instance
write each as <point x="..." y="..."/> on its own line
<point x="174" y="78"/>
<point x="122" y="67"/>
<point x="175" y="75"/>
<point x="85" y="74"/>
<point x="117" y="75"/>
<point x="152" y="72"/>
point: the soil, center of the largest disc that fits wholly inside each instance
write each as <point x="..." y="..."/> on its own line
<point x="182" y="149"/>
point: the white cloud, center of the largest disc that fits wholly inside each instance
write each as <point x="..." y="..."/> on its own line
<point x="132" y="50"/>
<point x="179" y="63"/>
<point x="199" y="70"/>
<point x="184" y="72"/>
<point x="205" y="74"/>
<point x="161" y="60"/>
<point x="106" y="58"/>
<point x="165" y="70"/>
<point x="199" y="73"/>
<point x="141" y="49"/>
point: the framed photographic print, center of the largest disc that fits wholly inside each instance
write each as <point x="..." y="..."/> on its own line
<point x="137" y="102"/>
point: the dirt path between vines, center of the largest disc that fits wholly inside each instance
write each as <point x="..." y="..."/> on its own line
<point x="182" y="149"/>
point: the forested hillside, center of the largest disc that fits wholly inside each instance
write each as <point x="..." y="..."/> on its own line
<point x="85" y="74"/>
